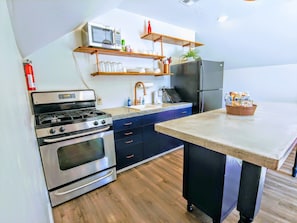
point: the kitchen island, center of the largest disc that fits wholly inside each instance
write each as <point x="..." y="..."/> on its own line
<point x="261" y="141"/>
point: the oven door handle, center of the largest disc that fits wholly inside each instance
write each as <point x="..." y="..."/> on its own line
<point x="74" y="136"/>
<point x="84" y="185"/>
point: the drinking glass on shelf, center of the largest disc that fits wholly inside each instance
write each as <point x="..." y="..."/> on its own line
<point x="113" y="66"/>
<point x="102" y="66"/>
<point x="107" y="66"/>
<point x="119" y="67"/>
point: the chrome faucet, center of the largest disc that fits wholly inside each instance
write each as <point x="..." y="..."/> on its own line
<point x="135" y="92"/>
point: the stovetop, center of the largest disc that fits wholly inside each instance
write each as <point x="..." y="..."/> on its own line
<point x="56" y="124"/>
<point x="69" y="117"/>
<point x="60" y="113"/>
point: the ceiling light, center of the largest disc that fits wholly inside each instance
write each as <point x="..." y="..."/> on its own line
<point x="222" y="18"/>
<point x="188" y="2"/>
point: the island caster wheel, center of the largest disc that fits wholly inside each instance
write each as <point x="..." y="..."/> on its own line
<point x="189" y="207"/>
<point x="294" y="172"/>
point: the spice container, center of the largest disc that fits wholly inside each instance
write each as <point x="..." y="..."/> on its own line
<point x="166" y="67"/>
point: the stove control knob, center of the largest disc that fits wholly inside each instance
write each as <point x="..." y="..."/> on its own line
<point x="62" y="129"/>
<point x="96" y="123"/>
<point x="103" y="122"/>
<point x="52" y="131"/>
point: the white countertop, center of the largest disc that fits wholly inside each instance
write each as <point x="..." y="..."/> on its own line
<point x="264" y="139"/>
<point x="126" y="112"/>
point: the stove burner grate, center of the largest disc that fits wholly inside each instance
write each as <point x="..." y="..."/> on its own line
<point x="53" y="118"/>
<point x="67" y="116"/>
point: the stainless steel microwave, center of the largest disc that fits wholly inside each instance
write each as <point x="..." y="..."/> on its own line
<point x="101" y="36"/>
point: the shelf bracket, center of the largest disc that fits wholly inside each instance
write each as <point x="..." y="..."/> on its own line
<point x="158" y="39"/>
<point x="161" y="41"/>
<point x="97" y="62"/>
<point x="94" y="52"/>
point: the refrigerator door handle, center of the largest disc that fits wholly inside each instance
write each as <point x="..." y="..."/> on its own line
<point x="202" y="102"/>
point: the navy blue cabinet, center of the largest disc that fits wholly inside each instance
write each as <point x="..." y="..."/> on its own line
<point x="137" y="140"/>
<point x="128" y="141"/>
<point x="167" y="142"/>
<point x="153" y="140"/>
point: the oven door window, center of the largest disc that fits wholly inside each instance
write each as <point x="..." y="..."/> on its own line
<point x="77" y="154"/>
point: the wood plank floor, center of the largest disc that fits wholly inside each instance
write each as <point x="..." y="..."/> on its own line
<point x="152" y="193"/>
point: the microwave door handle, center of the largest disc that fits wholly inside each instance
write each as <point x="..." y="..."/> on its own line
<point x="106" y="41"/>
<point x="76" y="135"/>
<point x="84" y="185"/>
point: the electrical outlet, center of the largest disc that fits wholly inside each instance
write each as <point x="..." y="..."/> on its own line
<point x="99" y="101"/>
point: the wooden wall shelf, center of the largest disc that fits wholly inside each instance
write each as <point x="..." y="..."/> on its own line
<point x="129" y="73"/>
<point x="94" y="50"/>
<point x="155" y="37"/>
<point x="97" y="51"/>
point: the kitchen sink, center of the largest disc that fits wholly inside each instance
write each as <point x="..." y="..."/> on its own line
<point x="146" y="107"/>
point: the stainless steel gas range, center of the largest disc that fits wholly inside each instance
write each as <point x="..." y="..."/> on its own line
<point x="76" y="143"/>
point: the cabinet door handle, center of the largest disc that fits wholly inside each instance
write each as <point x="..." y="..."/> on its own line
<point x="128" y="123"/>
<point x="130" y="141"/>
<point x="130" y="156"/>
<point x="184" y="112"/>
<point x="128" y="133"/>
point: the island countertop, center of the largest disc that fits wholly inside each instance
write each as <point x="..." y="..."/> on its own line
<point x="264" y="139"/>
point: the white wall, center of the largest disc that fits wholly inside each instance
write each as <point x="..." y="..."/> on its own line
<point x="22" y="186"/>
<point x="270" y="83"/>
<point x="57" y="67"/>
<point x="275" y="83"/>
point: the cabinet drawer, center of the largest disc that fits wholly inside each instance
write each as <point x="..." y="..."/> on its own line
<point x="126" y="123"/>
<point x="157" y="117"/>
<point x="127" y="133"/>
<point x="182" y="112"/>
<point x="128" y="141"/>
<point x="129" y="155"/>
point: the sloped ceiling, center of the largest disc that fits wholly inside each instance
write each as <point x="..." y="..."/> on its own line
<point x="39" y="22"/>
<point x="255" y="34"/>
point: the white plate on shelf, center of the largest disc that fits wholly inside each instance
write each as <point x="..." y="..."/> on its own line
<point x="149" y="70"/>
<point x="136" y="70"/>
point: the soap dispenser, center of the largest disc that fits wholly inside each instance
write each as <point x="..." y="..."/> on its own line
<point x="129" y="102"/>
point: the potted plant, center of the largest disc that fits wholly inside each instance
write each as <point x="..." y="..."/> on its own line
<point x="191" y="55"/>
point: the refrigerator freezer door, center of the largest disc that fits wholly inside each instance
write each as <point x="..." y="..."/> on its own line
<point x="189" y="80"/>
<point x="211" y="75"/>
<point x="209" y="100"/>
<point x="185" y="80"/>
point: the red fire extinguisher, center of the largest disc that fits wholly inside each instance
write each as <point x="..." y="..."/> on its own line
<point x="30" y="80"/>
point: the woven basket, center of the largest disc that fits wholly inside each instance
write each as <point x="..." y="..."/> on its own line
<point x="240" y="110"/>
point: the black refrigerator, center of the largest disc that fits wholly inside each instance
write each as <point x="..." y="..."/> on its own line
<point x="199" y="82"/>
